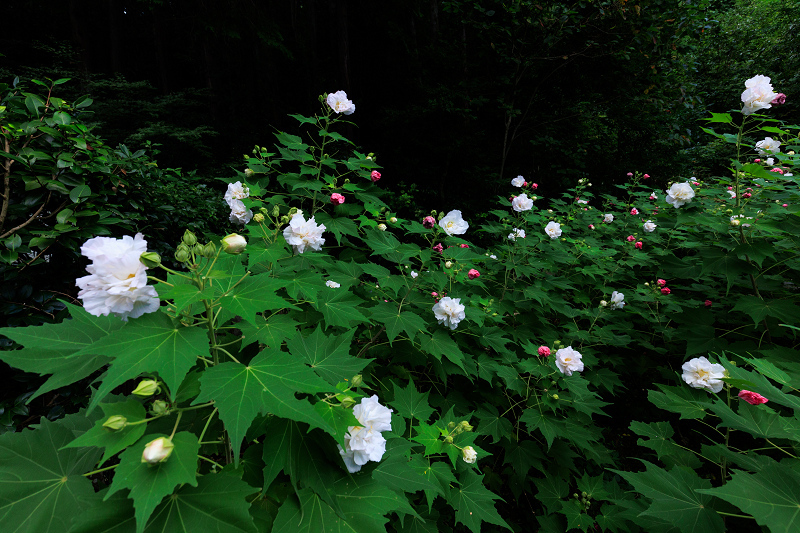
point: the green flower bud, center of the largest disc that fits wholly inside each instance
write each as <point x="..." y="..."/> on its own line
<point x="189" y="238"/>
<point x="248" y="172"/>
<point x="150" y="259"/>
<point x="159" y="407"/>
<point x="393" y="220"/>
<point x="466" y="426"/>
<point x="115" y="422"/>
<point x="209" y="250"/>
<point x="348" y="401"/>
<point x="182" y="255"/>
<point x="258" y="218"/>
<point x="276" y="211"/>
<point x="157" y="451"/>
<point x="555" y="396"/>
<point x="198" y="249"/>
<point x="451" y="425"/>
<point x="448" y="439"/>
<point x="233" y="244"/>
<point x="357" y="380"/>
<point x="146" y="388"/>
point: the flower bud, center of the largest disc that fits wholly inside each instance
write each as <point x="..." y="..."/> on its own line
<point x="448" y="439"/>
<point x="357" y="380"/>
<point x="233" y="244"/>
<point x="157" y="451"/>
<point x="348" y="401"/>
<point x="150" y="259"/>
<point x="555" y="396"/>
<point x="115" y="422"/>
<point x="276" y="211"/>
<point x="735" y="222"/>
<point x="182" y="254"/>
<point x="382" y="227"/>
<point x="159" y="407"/>
<point x="464" y="425"/>
<point x="451" y="425"/>
<point x="198" y="249"/>
<point x="603" y="303"/>
<point x="393" y="220"/>
<point x="469" y="454"/>
<point x="146" y="388"/>
<point x="209" y="250"/>
<point x="473" y="273"/>
<point x="428" y="222"/>
<point x="448" y="264"/>
<point x="248" y="172"/>
<point x="258" y="218"/>
<point x="189" y="238"/>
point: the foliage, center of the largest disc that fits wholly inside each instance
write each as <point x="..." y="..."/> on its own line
<point x="261" y="355"/>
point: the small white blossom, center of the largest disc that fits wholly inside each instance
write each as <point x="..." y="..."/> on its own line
<point x="494" y="256"/>
<point x="700" y="373"/>
<point x="649" y="226"/>
<point x="469" y="454"/>
<point x="553" y="229"/>
<point x="519" y="181"/>
<point x="332" y="284"/>
<point x="516" y="234"/>
<point x="768" y="145"/>
<point x="569" y="361"/>
<point x="521" y="203"/>
<point x="449" y="311"/>
<point x="608" y="218"/>
<point x="157" y="451"/>
<point x="339" y="103"/>
<point x="617" y="300"/>
<point x="239" y="213"/>
<point x="236" y="191"/>
<point x="453" y="224"/>
<point x="414" y="274"/>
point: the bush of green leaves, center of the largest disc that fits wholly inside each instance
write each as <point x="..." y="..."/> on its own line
<point x="224" y="409"/>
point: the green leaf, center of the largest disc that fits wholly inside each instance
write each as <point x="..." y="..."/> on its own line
<point x="442" y="344"/>
<point x="544" y="421"/>
<point x="771" y="496"/>
<point x="757" y="309"/>
<point x="253" y="295"/>
<point x="395" y="321"/>
<point x="41" y="486"/>
<point x="337" y="225"/>
<point x="659" y="439"/>
<point x="267" y="385"/>
<point x="114" y="441"/>
<point x="304" y="284"/>
<point x="79" y="192"/>
<point x="676" y="498"/>
<point x="182" y="294"/>
<point x="758" y="420"/>
<point x="410" y="403"/>
<point x="150" y="343"/>
<point x="551" y="490"/>
<point x="725" y="118"/>
<point x="149" y="484"/>
<point x="689" y="403"/>
<point x="340" y="308"/>
<point x="722" y="262"/>
<point x="329" y="356"/>
<point x="338" y="417"/>
<point x="430" y="437"/>
<point x="258" y="254"/>
<point x="474" y="503"/>
<point x="271" y="331"/>
<point x="401" y="473"/>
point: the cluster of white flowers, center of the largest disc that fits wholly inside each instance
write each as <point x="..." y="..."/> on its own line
<point x="553" y="229"/>
<point x="679" y="194"/>
<point x="516" y="234"/>
<point x="117" y="283"/>
<point x="453" y="223"/>
<point x="233" y="197"/>
<point x="569" y="361"/>
<point x="757" y="95"/>
<point x="617" y="300"/>
<point x="449" y="311"/>
<point x="519" y="181"/>
<point x="339" y="103"/>
<point x="768" y="145"/>
<point x="301" y="233"/>
<point x="649" y="226"/>
<point x="701" y="373"/>
<point x="522" y="203"/>
<point x="365" y="443"/>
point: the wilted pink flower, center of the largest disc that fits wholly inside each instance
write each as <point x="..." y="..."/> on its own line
<point x="746" y="195"/>
<point x="779" y="99"/>
<point x="473" y="274"/>
<point x="755" y="161"/>
<point x="730" y="188"/>
<point x="646" y="176"/>
<point x="778" y="170"/>
<point x="434" y="294"/>
<point x="337" y="198"/>
<point x="464" y="245"/>
<point x="591" y="226"/>
<point x="534" y="185"/>
<point x="753" y="398"/>
<point x="652" y="197"/>
<point x="438" y="248"/>
<point x="708" y="303"/>
<point x="429" y="222"/>
<point x="629" y="174"/>
<point x="638" y="245"/>
<point x="695" y="183"/>
<point x="665" y="290"/>
<point x="375" y="176"/>
<point x="631" y="238"/>
<point x="634" y="211"/>
<point x="544" y="351"/>
<point x="661" y="282"/>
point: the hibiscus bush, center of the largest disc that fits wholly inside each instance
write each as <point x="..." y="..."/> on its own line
<point x="332" y="366"/>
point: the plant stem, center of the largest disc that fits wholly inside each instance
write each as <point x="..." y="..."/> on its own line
<point x="93" y="472"/>
<point x="203" y="433"/>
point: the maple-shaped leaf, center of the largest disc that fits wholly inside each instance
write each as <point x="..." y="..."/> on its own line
<point x="545" y="421"/>
<point x="404" y="473"/>
<point x="397" y="321"/>
<point x="474" y="503"/>
<point x="430" y="437"/>
<point x="267" y="385"/>
<point x="410" y="403"/>
<point x="41" y="486"/>
<point x="441" y="344"/>
<point x="114" y="441"/>
<point x="151" y="343"/>
<point x="182" y="292"/>
<point x="303" y="284"/>
<point x="328" y="355"/>
<point x="253" y="295"/>
<point x="340" y="308"/>
<point x="148" y="483"/>
<point x="271" y="331"/>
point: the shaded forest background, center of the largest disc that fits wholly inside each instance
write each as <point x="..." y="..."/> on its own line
<point x="455" y="97"/>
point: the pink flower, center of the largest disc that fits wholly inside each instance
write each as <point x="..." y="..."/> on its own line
<point x="534" y="185"/>
<point x="755" y="161"/>
<point x="591" y="226"/>
<point x="375" y="176"/>
<point x="753" y="398"/>
<point x="695" y="183"/>
<point x="629" y="174"/>
<point x="429" y="222"/>
<point x="708" y="303"/>
<point x="779" y="99"/>
<point x="631" y="238"/>
<point x="652" y="197"/>
<point x="473" y="274"/>
<point x="337" y="198"/>
<point x="746" y="195"/>
<point x="646" y="176"/>
<point x="778" y="170"/>
<point x="665" y="290"/>
<point x="544" y="351"/>
<point x="438" y="248"/>
<point x="638" y="245"/>
<point x="661" y="282"/>
<point x="434" y="294"/>
<point x="730" y="188"/>
<point x="464" y="245"/>
<point x="785" y="205"/>
<point x="634" y="211"/>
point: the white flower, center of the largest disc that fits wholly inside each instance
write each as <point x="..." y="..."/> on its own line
<point x="608" y="218"/>
<point x="583" y="201"/>
<point x="469" y="454"/>
<point x="301" y="233"/>
<point x="770" y="161"/>
<point x="516" y="234"/>
<point x="569" y="361"/>
<point x="617" y="300"/>
<point x="519" y="181"/>
<point x="494" y="256"/>
<point x="382" y="227"/>
<point x="679" y="194"/>
<point x="733" y="194"/>
<point x="236" y="191"/>
<point x="700" y="373"/>
<point x="365" y="443"/>
<point x="339" y="103"/>
<point x="453" y="224"/>
<point x="603" y="303"/>
<point x="768" y="145"/>
<point x="157" y="451"/>
<point x="735" y="220"/>
<point x="553" y="229"/>
<point x="521" y="203"/>
<point x="449" y="311"/>
<point x="332" y="284"/>
<point x="414" y="274"/>
<point x="117" y="283"/>
<point x="239" y="213"/>
<point x="757" y="95"/>
<point x="649" y="226"/>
